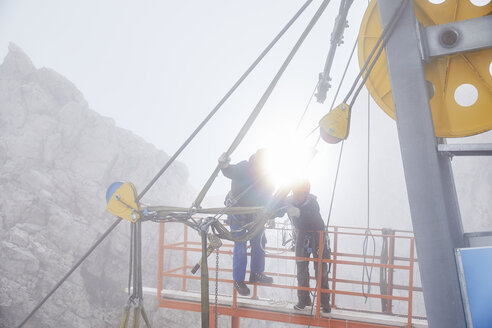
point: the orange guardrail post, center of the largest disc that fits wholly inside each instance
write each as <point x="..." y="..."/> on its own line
<point x="234" y="319"/>
<point x="391" y="250"/>
<point x="334" y="266"/>
<point x="255" y="292"/>
<point x="234" y="322"/>
<point x="212" y="316"/>
<point x="410" y="283"/>
<point x="234" y="298"/>
<point x="320" y="271"/>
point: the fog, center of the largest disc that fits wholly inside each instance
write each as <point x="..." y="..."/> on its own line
<point x="159" y="67"/>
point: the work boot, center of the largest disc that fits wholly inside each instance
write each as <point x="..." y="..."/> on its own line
<point x="326" y="308"/>
<point x="256" y="277"/>
<point x="241" y="288"/>
<point x="301" y="305"/>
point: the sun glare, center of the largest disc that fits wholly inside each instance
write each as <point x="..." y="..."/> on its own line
<point x="288" y="163"/>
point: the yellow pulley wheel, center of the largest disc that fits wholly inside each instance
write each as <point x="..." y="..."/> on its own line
<point x="122" y="201"/>
<point x="460" y="84"/>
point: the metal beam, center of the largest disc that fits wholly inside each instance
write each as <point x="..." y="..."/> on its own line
<point x="430" y="185"/>
<point x="447" y="39"/>
<point x="479" y="239"/>
<point x="465" y="149"/>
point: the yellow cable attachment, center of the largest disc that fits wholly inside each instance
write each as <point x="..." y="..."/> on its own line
<point x="122" y="202"/>
<point x="335" y="125"/>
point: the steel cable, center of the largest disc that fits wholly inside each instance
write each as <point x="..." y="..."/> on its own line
<point x="385" y="35"/>
<point x="104" y="235"/>
<point x="256" y="111"/>
<point x="382" y="40"/>
<point x="226" y="96"/>
<point x="177" y="153"/>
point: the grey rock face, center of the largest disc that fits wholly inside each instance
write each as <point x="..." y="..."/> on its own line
<point x="57" y="157"/>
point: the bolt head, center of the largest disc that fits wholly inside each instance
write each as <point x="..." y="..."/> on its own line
<point x="449" y="37"/>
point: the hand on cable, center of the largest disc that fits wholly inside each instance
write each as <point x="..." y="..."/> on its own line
<point x="293" y="212"/>
<point x="224" y="160"/>
<point x="271" y="224"/>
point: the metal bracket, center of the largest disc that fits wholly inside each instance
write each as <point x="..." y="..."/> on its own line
<point x="447" y="39"/>
<point x="484" y="149"/>
<point x="340" y="24"/>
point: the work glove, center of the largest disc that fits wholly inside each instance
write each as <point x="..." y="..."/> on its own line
<point x="293" y="212"/>
<point x="224" y="160"/>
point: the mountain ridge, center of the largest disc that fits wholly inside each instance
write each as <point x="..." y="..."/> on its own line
<point x="58" y="158"/>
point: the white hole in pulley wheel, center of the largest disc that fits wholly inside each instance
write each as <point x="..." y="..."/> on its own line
<point x="480" y="3"/>
<point x="490" y="68"/>
<point x="436" y="2"/>
<point x="466" y="95"/>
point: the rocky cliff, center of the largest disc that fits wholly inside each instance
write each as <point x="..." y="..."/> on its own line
<point x="57" y="157"/>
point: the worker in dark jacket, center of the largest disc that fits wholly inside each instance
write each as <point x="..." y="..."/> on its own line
<point x="304" y="213"/>
<point x="249" y="187"/>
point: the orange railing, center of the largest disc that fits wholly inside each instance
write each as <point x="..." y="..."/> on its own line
<point x="341" y="264"/>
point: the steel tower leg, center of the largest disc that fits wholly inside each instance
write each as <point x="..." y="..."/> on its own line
<point x="430" y="185"/>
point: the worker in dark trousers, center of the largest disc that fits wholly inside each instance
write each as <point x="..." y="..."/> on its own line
<point x="249" y="187"/>
<point x="304" y="213"/>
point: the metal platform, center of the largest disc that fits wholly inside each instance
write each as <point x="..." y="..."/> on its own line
<point x="343" y="261"/>
<point x="347" y="317"/>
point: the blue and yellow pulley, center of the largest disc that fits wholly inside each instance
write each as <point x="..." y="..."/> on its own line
<point x="461" y="83"/>
<point x="122" y="201"/>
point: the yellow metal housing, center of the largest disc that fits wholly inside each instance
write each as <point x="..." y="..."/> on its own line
<point x="335" y="125"/>
<point x="444" y="74"/>
<point x="123" y="204"/>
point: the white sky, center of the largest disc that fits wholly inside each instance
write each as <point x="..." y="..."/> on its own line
<point x="158" y="67"/>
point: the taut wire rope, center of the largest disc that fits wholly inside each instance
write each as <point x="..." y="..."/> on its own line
<point x="176" y="154"/>
<point x="370" y="62"/>
<point x="65" y="277"/>
<point x="306" y="108"/>
<point x="382" y="39"/>
<point x="343" y="141"/>
<point x="227" y="95"/>
<point x="381" y="43"/>
<point x="385" y="35"/>
<point x="256" y="111"/>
